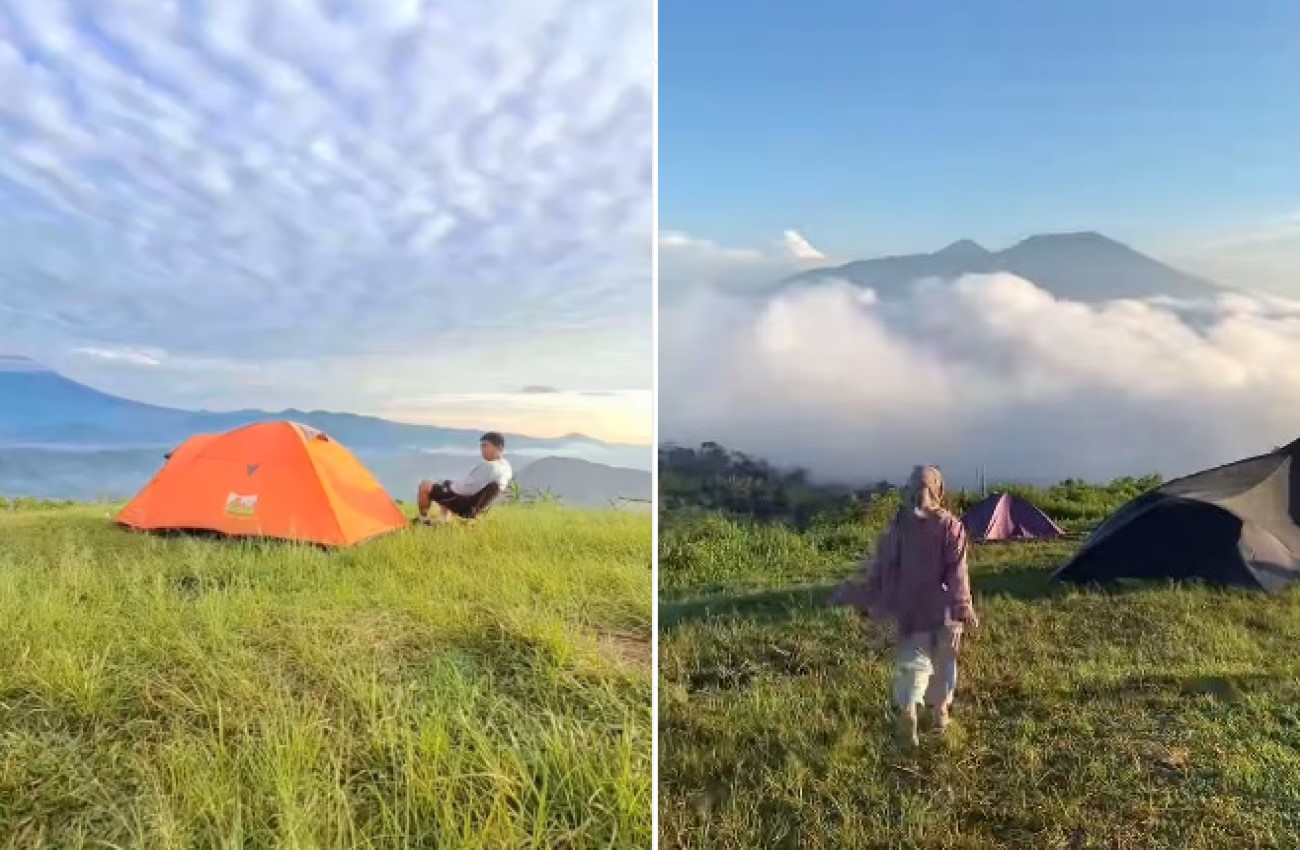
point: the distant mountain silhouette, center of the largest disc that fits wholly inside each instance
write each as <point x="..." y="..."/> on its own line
<point x="583" y="483"/>
<point x="118" y="473"/>
<point x="65" y="440"/>
<point x="1086" y="267"/>
<point x="40" y="406"/>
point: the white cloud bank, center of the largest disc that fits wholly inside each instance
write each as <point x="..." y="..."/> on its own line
<point x="985" y="370"/>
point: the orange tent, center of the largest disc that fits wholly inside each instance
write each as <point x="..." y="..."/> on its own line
<point x="271" y="479"/>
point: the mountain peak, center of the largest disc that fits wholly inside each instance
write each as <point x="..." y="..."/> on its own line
<point x="1083" y="266"/>
<point x="18" y="363"/>
<point x="964" y="248"/>
<point x="1076" y="237"/>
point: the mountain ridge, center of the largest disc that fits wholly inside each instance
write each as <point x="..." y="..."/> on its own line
<point x="593" y="484"/>
<point x="39" y="404"/>
<point x="1084" y="266"/>
<point x="62" y="439"/>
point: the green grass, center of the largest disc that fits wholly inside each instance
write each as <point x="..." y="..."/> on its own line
<point x="1145" y="717"/>
<point x="451" y="687"/>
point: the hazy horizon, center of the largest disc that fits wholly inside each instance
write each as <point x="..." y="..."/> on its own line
<point x="19" y="363"/>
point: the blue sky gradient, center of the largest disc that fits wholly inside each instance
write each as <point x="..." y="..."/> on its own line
<point x="805" y="135"/>
<point x="875" y="127"/>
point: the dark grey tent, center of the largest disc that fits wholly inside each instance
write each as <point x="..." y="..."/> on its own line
<point x="1237" y="524"/>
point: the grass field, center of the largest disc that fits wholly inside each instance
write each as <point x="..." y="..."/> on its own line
<point x="1143" y="717"/>
<point x="450" y="687"/>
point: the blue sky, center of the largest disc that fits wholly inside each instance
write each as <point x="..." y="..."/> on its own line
<point x="429" y="211"/>
<point x="880" y="127"/>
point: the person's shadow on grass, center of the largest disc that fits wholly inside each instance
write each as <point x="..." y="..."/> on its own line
<point x="1026" y="583"/>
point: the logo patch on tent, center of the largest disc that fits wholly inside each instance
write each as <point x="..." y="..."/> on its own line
<point x="237" y="505"/>
<point x="253" y="467"/>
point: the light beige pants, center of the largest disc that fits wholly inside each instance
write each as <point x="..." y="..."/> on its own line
<point x="926" y="668"/>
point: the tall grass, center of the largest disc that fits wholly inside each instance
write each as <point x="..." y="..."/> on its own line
<point x="452" y="688"/>
<point x="1154" y="716"/>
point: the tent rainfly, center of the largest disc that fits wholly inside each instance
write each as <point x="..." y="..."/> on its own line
<point x="271" y="479"/>
<point x="1237" y="524"/>
<point x="1003" y="516"/>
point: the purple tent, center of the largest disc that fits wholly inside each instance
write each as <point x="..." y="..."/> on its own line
<point x="1006" y="517"/>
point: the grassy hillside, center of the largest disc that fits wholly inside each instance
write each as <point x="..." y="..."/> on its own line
<point x="448" y="687"/>
<point x="1147" y="717"/>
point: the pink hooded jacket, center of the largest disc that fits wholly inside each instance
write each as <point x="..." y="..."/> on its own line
<point x="918" y="575"/>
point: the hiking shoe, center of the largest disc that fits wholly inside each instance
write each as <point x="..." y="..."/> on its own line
<point x="906" y="726"/>
<point x="422" y="520"/>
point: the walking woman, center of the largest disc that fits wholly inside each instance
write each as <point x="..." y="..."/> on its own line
<point x="918" y="581"/>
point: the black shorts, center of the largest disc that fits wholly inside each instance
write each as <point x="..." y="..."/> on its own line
<point x="442" y="495"/>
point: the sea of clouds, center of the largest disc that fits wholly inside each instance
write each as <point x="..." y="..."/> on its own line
<point x="986" y="370"/>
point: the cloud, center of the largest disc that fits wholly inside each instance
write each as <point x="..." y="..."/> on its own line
<point x="984" y="370"/>
<point x="799" y="247"/>
<point x="16" y="363"/>
<point x="262" y="183"/>
<point x="122" y="355"/>
<point x="683" y="242"/>
<point x="687" y="263"/>
<point x="538" y="390"/>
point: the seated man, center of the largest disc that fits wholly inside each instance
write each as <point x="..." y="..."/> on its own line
<point x="462" y="497"/>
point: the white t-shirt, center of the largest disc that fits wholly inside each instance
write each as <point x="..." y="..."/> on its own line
<point x="483" y="474"/>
